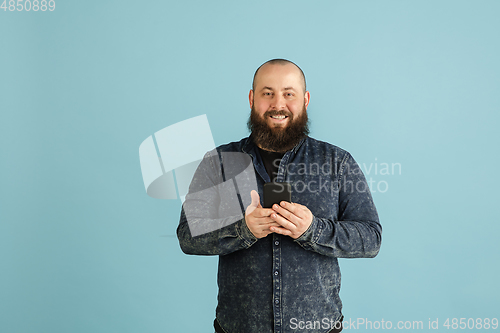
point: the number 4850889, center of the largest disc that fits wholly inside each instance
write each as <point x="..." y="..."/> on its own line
<point x="28" y="5"/>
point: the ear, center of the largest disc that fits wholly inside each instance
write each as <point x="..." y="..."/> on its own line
<point x="307" y="97"/>
<point x="250" y="98"/>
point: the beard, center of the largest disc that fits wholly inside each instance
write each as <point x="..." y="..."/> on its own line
<point x="278" y="138"/>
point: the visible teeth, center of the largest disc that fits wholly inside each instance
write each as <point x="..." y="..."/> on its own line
<point x="278" y="117"/>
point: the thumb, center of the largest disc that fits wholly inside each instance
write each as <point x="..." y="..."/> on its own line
<point x="255" y="199"/>
<point x="255" y="202"/>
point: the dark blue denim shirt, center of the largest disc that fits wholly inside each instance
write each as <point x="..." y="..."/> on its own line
<point x="271" y="284"/>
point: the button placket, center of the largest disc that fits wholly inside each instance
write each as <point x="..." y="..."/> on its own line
<point x="276" y="282"/>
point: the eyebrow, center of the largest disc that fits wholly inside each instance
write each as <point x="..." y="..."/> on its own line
<point x="269" y="88"/>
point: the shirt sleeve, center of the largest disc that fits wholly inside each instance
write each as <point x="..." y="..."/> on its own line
<point x="356" y="231"/>
<point x="212" y="221"/>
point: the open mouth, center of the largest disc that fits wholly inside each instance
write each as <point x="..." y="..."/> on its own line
<point x="279" y="117"/>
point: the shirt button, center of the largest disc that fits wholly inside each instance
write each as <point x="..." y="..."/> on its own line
<point x="277" y="301"/>
<point x="276" y="273"/>
<point x="277" y="243"/>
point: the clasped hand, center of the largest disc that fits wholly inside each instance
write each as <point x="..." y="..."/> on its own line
<point x="290" y="219"/>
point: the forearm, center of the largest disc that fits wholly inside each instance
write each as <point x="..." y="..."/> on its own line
<point x="355" y="232"/>
<point x="342" y="239"/>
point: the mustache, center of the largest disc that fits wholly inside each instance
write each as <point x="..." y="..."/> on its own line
<point x="278" y="113"/>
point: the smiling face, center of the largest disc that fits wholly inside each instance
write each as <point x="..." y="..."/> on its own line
<point x="279" y="94"/>
<point x="278" y="120"/>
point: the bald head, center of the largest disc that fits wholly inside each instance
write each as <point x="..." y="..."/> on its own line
<point x="280" y="62"/>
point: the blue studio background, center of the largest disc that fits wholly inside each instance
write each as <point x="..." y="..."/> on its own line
<point x="410" y="88"/>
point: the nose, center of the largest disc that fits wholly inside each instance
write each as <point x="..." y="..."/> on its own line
<point x="278" y="102"/>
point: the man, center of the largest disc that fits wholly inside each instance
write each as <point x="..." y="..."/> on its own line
<point x="278" y="268"/>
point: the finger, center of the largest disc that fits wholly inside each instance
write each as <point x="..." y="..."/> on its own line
<point x="262" y="212"/>
<point x="287" y="214"/>
<point x="281" y="230"/>
<point x="260" y="221"/>
<point x="285" y="223"/>
<point x="297" y="209"/>
<point x="272" y="224"/>
<point x="255" y="198"/>
<point x="266" y="221"/>
<point x="255" y="202"/>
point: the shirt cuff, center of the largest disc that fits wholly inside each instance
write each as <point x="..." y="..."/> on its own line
<point x="311" y="234"/>
<point x="245" y="233"/>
